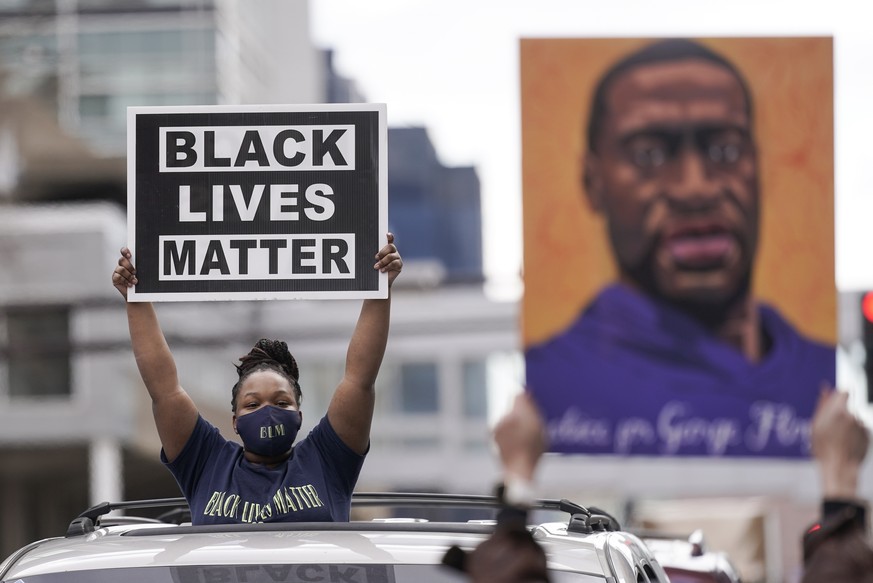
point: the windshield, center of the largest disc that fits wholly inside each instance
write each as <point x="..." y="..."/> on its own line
<point x="308" y="573"/>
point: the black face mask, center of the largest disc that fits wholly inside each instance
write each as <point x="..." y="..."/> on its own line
<point x="270" y="431"/>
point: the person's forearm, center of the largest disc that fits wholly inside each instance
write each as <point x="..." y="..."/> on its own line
<point x="367" y="346"/>
<point x="839" y="479"/>
<point x="153" y="357"/>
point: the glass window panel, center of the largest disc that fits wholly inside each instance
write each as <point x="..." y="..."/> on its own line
<point x="475" y="389"/>
<point x="28" y="6"/>
<point x="39" y="351"/>
<point x="94" y="105"/>
<point x="419" y="392"/>
<point x="481" y="445"/>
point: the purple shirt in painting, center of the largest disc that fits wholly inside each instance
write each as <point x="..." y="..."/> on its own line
<point x="634" y="376"/>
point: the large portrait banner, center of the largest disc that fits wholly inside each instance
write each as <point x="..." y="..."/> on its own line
<point x="678" y="242"/>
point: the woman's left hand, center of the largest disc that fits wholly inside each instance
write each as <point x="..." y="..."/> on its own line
<point x="388" y="260"/>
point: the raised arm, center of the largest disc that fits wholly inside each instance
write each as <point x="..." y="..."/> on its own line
<point x="837" y="548"/>
<point x="351" y="408"/>
<point x="510" y="554"/>
<point x="521" y="439"/>
<point x="174" y="411"/>
<point x="839" y="445"/>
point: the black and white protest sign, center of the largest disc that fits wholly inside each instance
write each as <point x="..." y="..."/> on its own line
<point x="257" y="202"/>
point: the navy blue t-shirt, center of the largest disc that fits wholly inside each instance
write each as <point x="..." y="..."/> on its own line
<point x="222" y="487"/>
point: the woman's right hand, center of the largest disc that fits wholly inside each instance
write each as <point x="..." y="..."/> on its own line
<point x="124" y="275"/>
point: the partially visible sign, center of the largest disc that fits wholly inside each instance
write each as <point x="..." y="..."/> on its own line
<point x="298" y="573"/>
<point x="257" y="202"/>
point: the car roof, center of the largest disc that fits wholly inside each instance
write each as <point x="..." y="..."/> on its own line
<point x="146" y="546"/>
<point x="165" y="546"/>
<point x="114" y="543"/>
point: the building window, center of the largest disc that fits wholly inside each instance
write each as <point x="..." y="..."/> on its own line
<point x="419" y="389"/>
<point x="475" y="389"/>
<point x="38" y="351"/>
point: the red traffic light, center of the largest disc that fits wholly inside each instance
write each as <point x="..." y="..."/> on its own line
<point x="867" y="306"/>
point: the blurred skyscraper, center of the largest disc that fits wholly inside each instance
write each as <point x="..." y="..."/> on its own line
<point x="436" y="210"/>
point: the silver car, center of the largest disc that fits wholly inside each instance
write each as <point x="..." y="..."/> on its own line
<point x="101" y="548"/>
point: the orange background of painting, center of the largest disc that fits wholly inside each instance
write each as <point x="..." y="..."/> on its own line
<point x="566" y="256"/>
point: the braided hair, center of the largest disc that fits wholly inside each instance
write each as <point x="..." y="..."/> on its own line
<point x="267" y="355"/>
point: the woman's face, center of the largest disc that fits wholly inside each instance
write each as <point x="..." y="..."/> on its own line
<point x="265" y="387"/>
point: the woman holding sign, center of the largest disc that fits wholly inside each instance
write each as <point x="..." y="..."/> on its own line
<point x="269" y="478"/>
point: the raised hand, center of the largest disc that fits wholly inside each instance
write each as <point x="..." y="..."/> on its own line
<point x="388" y="260"/>
<point x="839" y="444"/>
<point x="124" y="274"/>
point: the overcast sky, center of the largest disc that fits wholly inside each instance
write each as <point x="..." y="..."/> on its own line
<point x="452" y="66"/>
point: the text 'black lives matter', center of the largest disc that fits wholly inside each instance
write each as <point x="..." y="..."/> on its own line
<point x="257" y="203"/>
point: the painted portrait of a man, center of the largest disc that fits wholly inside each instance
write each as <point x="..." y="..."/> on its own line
<point x="677" y="351"/>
